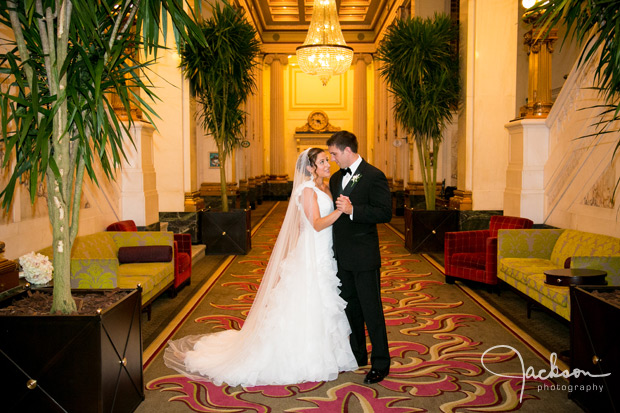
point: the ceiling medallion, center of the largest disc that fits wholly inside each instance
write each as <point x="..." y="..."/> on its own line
<point x="324" y="53"/>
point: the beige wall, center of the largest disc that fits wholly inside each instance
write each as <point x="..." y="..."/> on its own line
<point x="427" y="8"/>
<point x="173" y="134"/>
<point x="304" y="94"/>
<point x="488" y="43"/>
<point x="26" y="227"/>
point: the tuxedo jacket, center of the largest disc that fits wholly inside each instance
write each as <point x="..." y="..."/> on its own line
<point x="356" y="242"/>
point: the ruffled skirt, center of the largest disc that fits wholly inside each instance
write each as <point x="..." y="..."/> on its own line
<point x="301" y="335"/>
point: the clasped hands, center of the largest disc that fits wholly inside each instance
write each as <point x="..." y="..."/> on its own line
<point x="343" y="204"/>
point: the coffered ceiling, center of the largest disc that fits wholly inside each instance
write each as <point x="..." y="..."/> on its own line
<point x="283" y="24"/>
<point x="291" y="14"/>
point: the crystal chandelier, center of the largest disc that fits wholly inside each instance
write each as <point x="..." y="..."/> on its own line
<point x="324" y="53"/>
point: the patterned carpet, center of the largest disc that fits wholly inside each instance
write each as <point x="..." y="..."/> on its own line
<point x="448" y="353"/>
<point x="165" y="308"/>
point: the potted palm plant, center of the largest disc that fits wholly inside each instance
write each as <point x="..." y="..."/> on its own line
<point x="221" y="79"/>
<point x="421" y="70"/>
<point x="57" y="123"/>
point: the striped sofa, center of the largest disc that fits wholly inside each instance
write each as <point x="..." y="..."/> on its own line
<point x="524" y="255"/>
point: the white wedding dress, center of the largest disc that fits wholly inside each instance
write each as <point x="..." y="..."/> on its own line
<point x="300" y="333"/>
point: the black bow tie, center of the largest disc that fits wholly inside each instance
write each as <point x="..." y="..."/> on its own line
<point x="346" y="171"/>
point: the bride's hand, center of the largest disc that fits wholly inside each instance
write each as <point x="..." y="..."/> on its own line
<point x="343" y="204"/>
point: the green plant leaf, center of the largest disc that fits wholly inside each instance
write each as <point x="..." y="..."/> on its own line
<point x="421" y="70"/>
<point x="221" y="75"/>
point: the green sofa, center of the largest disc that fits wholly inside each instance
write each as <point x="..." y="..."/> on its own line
<point x="94" y="263"/>
<point x="523" y="256"/>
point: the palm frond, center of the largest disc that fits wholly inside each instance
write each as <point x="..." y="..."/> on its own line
<point x="99" y="61"/>
<point x="220" y="75"/>
<point x="421" y="70"/>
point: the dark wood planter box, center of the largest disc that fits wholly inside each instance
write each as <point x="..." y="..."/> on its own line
<point x="252" y="195"/>
<point x="243" y="199"/>
<point x="73" y="363"/>
<point x="215" y="201"/>
<point x="278" y="190"/>
<point x="398" y="203"/>
<point x="227" y="233"/>
<point x="260" y="192"/>
<point x="594" y="348"/>
<point x="9" y="280"/>
<point x="425" y="230"/>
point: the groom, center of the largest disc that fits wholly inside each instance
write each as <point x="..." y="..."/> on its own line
<point x="362" y="193"/>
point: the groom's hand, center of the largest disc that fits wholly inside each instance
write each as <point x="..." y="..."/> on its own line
<point x="343" y="203"/>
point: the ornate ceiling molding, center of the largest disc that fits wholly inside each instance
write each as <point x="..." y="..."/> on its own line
<point x="283" y="24"/>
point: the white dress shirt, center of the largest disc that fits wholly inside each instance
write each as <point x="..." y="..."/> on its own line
<point x="347" y="177"/>
<point x="353" y="167"/>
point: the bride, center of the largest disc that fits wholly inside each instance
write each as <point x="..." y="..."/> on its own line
<point x="296" y="330"/>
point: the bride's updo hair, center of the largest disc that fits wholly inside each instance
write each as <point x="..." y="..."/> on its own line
<point x="312" y="154"/>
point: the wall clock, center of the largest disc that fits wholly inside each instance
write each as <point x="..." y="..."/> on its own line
<point x="318" y="122"/>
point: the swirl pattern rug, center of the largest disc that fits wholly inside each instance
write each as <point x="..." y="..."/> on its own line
<point x="449" y="354"/>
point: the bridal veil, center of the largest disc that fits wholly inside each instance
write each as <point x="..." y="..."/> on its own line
<point x="296" y="329"/>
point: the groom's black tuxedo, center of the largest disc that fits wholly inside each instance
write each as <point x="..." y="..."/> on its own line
<point x="356" y="248"/>
<point x="356" y="243"/>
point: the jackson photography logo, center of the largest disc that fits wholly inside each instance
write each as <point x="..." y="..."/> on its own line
<point x="542" y="374"/>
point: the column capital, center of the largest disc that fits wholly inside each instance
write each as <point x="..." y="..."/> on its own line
<point x="270" y="58"/>
<point x="533" y="39"/>
<point x="365" y="57"/>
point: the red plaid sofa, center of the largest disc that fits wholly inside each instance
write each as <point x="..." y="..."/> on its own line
<point x="472" y="255"/>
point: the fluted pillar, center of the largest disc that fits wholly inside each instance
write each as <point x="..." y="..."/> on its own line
<point x="276" y="109"/>
<point x="540" y="48"/>
<point x="380" y="150"/>
<point x="250" y="154"/>
<point x="139" y="199"/>
<point x="258" y="138"/>
<point x="360" y="101"/>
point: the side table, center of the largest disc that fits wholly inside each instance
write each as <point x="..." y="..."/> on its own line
<point x="565" y="277"/>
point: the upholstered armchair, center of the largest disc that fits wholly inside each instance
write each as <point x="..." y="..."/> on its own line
<point x="472" y="255"/>
<point x="182" y="261"/>
<point x="182" y="253"/>
<point x="126" y="226"/>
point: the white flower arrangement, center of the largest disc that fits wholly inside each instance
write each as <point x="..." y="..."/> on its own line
<point x="37" y="268"/>
<point x="354" y="179"/>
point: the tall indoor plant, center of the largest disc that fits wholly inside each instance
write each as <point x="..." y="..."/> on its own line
<point x="68" y="58"/>
<point x="221" y="78"/>
<point x="421" y="69"/>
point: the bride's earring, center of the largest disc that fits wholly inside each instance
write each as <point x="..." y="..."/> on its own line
<point x="312" y="171"/>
